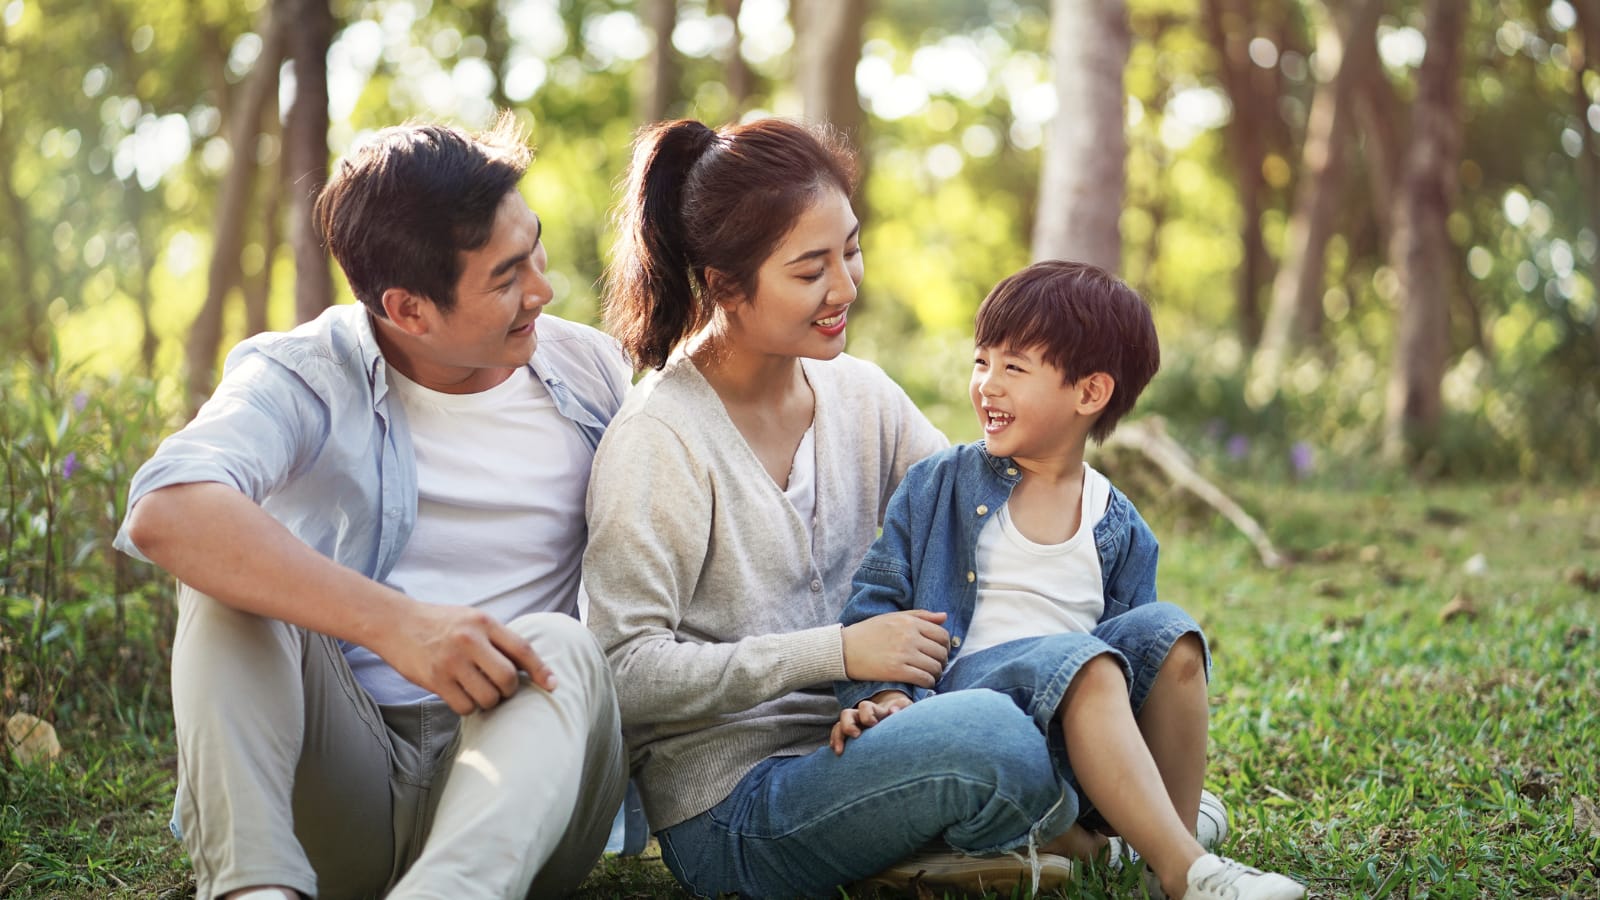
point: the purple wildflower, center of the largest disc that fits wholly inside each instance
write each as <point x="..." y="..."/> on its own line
<point x="1302" y="457"/>
<point x="80" y="400"/>
<point x="69" y="464"/>
<point x="1238" y="447"/>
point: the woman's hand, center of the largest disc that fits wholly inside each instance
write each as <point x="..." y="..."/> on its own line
<point x="908" y="647"/>
<point x="864" y="715"/>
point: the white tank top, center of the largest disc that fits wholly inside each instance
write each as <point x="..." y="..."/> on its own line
<point x="1027" y="589"/>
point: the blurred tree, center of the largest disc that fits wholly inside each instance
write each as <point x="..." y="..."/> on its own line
<point x="1081" y="186"/>
<point x="245" y="125"/>
<point x="660" y="91"/>
<point x="827" y="47"/>
<point x="305" y="154"/>
<point x="740" y="81"/>
<point x="1420" y="248"/>
<point x="1295" y="314"/>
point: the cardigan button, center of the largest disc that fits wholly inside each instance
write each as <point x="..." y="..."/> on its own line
<point x="816" y="586"/>
<point x="983" y="509"/>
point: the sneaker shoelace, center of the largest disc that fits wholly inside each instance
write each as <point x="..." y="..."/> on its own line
<point x="1225" y="881"/>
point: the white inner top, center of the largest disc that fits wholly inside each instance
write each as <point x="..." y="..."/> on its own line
<point x="1027" y="589"/>
<point x="501" y="476"/>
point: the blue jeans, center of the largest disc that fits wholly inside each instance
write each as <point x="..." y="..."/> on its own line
<point x="969" y="767"/>
<point x="1036" y="672"/>
<point x="972" y="768"/>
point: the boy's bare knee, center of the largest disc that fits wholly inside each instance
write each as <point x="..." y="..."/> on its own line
<point x="1187" y="659"/>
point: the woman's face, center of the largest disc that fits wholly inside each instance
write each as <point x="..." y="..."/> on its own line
<point x="805" y="287"/>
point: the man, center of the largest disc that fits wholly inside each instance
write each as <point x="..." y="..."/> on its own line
<point x="377" y="521"/>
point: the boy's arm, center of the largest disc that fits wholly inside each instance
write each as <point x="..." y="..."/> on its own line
<point x="1132" y="580"/>
<point x="855" y="719"/>
<point x="884" y="584"/>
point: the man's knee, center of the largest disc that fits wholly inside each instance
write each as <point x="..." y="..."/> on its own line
<point x="567" y="646"/>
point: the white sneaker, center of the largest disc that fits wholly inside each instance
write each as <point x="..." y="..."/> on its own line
<point x="945" y="868"/>
<point x="1215" y="877"/>
<point x="1210" y="830"/>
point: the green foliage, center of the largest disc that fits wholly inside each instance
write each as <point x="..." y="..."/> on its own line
<point x="85" y="629"/>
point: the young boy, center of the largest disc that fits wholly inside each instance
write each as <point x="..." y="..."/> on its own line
<point x="1047" y="575"/>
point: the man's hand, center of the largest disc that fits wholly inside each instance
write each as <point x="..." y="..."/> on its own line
<point x="462" y="654"/>
<point x="908" y="647"/>
<point x="864" y="715"/>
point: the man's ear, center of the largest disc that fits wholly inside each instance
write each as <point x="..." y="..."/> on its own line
<point x="722" y="288"/>
<point x="1094" y="392"/>
<point x="408" y="311"/>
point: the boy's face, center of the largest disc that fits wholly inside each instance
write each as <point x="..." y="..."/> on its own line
<point x="1025" y="409"/>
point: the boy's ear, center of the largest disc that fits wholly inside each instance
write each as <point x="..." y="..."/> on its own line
<point x="1094" y="392"/>
<point x="722" y="288"/>
<point x="407" y="311"/>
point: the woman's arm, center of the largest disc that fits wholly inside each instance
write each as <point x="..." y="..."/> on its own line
<point x="651" y="509"/>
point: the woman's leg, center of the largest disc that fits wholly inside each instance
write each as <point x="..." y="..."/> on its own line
<point x="968" y="767"/>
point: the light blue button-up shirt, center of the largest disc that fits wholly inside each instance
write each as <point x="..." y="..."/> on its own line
<point x="303" y="424"/>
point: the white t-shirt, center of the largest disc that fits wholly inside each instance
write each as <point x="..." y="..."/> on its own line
<point x="1027" y="589"/>
<point x="501" y="476"/>
<point x="802" y="489"/>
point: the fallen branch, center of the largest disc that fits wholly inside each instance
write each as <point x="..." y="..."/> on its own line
<point x="1149" y="437"/>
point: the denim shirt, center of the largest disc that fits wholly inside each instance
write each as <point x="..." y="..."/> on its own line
<point x="926" y="557"/>
<point x="303" y="424"/>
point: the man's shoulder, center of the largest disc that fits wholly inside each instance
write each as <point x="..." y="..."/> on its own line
<point x="567" y="336"/>
<point x="334" y="337"/>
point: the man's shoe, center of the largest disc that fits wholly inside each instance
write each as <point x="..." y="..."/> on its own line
<point x="1215" y="877"/>
<point x="945" y="868"/>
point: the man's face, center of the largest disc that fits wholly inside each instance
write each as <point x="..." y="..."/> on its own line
<point x="502" y="289"/>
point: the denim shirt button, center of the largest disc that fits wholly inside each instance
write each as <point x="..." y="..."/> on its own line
<point x="955" y="641"/>
<point x="1011" y="470"/>
<point x="816" y="586"/>
<point x="971" y="577"/>
<point x="983" y="510"/>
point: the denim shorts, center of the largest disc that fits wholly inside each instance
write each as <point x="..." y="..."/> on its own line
<point x="1036" y="671"/>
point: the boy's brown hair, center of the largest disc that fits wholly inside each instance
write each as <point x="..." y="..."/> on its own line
<point x="1084" y="320"/>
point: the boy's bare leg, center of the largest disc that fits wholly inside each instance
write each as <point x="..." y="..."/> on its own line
<point x="1114" y="766"/>
<point x="1175" y="721"/>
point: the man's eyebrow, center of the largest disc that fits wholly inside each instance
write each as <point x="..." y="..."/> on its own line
<point x="822" y="251"/>
<point x="511" y="262"/>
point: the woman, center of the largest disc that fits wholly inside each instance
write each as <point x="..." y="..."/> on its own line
<point x="731" y="501"/>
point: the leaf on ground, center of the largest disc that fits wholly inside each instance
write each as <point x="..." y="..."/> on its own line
<point x="1585" y="815"/>
<point x="31" y="739"/>
<point x="1576" y="635"/>
<point x="1440" y="515"/>
<point x="1583" y="578"/>
<point x="1459" y="607"/>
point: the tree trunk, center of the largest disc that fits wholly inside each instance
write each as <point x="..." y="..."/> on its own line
<point x="1379" y="115"/>
<point x="740" y="81"/>
<point x="1081" y="186"/>
<point x="1584" y="43"/>
<point x="305" y="158"/>
<point x="827" y="49"/>
<point x="1420" y="248"/>
<point x="1227" y="28"/>
<point x="257" y="289"/>
<point x="1295" y="314"/>
<point x="233" y="199"/>
<point x="660" y="94"/>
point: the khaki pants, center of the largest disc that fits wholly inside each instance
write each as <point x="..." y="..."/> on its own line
<point x="290" y="774"/>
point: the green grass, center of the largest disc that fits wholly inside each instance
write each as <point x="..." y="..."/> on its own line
<point x="1362" y="741"/>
